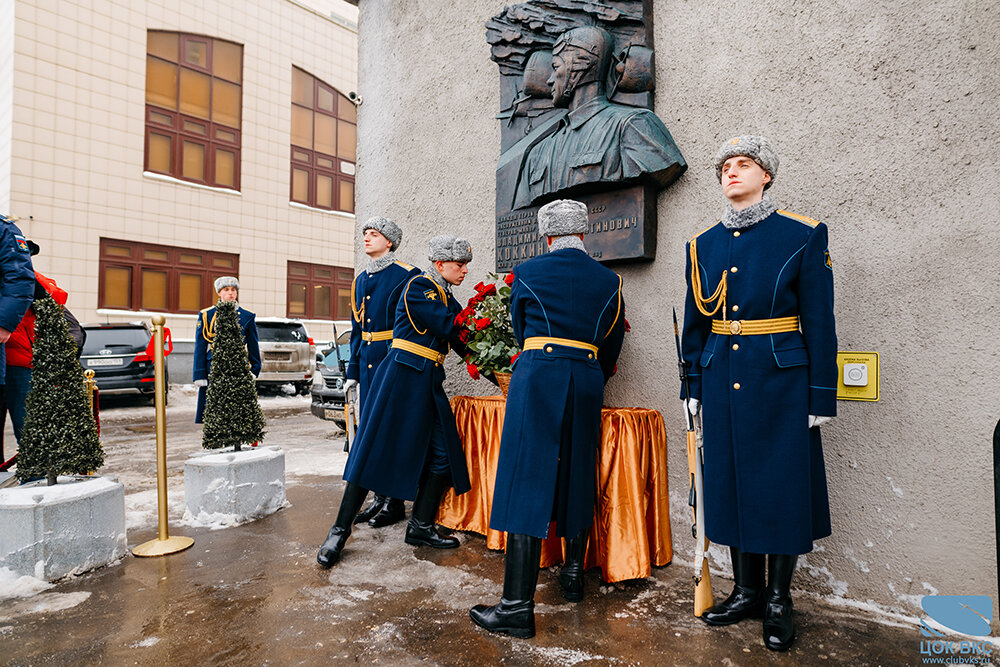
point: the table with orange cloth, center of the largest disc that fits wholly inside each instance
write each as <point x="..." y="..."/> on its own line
<point x="631" y="530"/>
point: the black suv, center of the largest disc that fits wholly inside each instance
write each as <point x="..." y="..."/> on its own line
<point x="328" y="382"/>
<point x="117" y="355"/>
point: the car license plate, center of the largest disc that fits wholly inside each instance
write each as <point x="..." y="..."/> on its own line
<point x="277" y="356"/>
<point x="105" y="362"/>
<point x="331" y="413"/>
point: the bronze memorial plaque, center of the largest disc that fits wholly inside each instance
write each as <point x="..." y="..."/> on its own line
<point x="576" y="83"/>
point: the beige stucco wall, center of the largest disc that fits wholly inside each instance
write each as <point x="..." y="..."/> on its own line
<point x="78" y="81"/>
<point x="885" y="116"/>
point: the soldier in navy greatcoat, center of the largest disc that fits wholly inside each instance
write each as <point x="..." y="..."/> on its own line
<point x="17" y="288"/>
<point x="228" y="289"/>
<point x="410" y="447"/>
<point x="569" y="316"/>
<point x="374" y="296"/>
<point x="761" y="345"/>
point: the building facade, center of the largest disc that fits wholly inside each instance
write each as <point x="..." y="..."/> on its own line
<point x="149" y="147"/>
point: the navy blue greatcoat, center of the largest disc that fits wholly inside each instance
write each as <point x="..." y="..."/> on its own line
<point x="204" y="332"/>
<point x="17" y="281"/>
<point x="765" y="481"/>
<point x="407" y="394"/>
<point x="374" y="297"/>
<point x="552" y="425"/>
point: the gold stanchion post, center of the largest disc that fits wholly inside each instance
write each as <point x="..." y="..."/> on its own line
<point x="90" y="383"/>
<point x="164" y="544"/>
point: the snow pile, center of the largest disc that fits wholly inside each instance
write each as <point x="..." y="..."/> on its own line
<point x="13" y="585"/>
<point x="68" y="488"/>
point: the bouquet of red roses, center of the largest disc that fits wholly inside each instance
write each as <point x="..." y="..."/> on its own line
<point x="486" y="328"/>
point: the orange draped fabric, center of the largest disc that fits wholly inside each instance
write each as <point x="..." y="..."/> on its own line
<point x="631" y="530"/>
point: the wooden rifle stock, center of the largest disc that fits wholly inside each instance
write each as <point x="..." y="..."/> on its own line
<point x="702" y="578"/>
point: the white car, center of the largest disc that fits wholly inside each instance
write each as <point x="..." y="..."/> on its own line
<point x="287" y="353"/>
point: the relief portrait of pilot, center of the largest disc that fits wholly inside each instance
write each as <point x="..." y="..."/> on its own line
<point x="597" y="141"/>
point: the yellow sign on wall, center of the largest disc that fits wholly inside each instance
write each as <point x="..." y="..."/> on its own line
<point x="858" y="376"/>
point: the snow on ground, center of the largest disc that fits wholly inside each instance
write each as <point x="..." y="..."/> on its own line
<point x="306" y="459"/>
<point x="31" y="597"/>
<point x="402" y="571"/>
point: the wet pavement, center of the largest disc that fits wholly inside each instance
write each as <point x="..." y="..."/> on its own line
<point x="254" y="595"/>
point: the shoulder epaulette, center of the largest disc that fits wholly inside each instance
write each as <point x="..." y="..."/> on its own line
<point x="801" y="218"/>
<point x="425" y="277"/>
<point x="406" y="266"/>
<point x="703" y="231"/>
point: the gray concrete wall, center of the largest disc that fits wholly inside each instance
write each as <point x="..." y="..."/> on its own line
<point x="885" y="115"/>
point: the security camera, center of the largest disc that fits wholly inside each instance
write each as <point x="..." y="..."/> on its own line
<point x="354" y="97"/>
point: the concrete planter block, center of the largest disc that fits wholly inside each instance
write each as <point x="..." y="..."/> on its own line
<point x="49" y="532"/>
<point x="230" y="488"/>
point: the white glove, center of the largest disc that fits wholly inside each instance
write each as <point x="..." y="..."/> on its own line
<point x="201" y="383"/>
<point x="815" y="420"/>
<point x="348" y="384"/>
<point x="693" y="405"/>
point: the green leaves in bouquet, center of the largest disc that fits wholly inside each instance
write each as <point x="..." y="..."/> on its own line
<point x="487" y="330"/>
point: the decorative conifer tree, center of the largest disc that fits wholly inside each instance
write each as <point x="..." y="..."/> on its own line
<point x="232" y="413"/>
<point x="60" y="435"/>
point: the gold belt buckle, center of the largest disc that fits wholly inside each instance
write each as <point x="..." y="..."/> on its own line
<point x="736" y="327"/>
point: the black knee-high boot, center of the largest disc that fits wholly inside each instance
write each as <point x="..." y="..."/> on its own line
<point x="329" y="553"/>
<point x="378" y="502"/>
<point x="392" y="512"/>
<point x="571" y="574"/>
<point x="420" y="531"/>
<point x="515" y="615"/>
<point x="779" y="626"/>
<point x="747" y="598"/>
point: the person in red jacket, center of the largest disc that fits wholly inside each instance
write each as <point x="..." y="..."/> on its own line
<point x="19" y="350"/>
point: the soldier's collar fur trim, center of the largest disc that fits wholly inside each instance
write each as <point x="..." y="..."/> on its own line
<point x="751" y="215"/>
<point x="562" y="242"/>
<point x="439" y="279"/>
<point x="383" y="262"/>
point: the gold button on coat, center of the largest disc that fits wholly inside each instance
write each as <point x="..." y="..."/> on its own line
<point x="736" y="385"/>
<point x="548" y="349"/>
<point x="733" y="270"/>
<point x="369" y="365"/>
<point x="735" y="308"/>
<point x="736" y="346"/>
<point x="736" y="234"/>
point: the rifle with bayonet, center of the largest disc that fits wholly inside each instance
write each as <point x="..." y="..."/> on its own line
<point x="350" y="404"/>
<point x="696" y="496"/>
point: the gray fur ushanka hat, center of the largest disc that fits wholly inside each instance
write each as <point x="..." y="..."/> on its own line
<point x="449" y="248"/>
<point x="226" y="281"/>
<point x="386" y="228"/>
<point x="755" y="147"/>
<point x="562" y="217"/>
